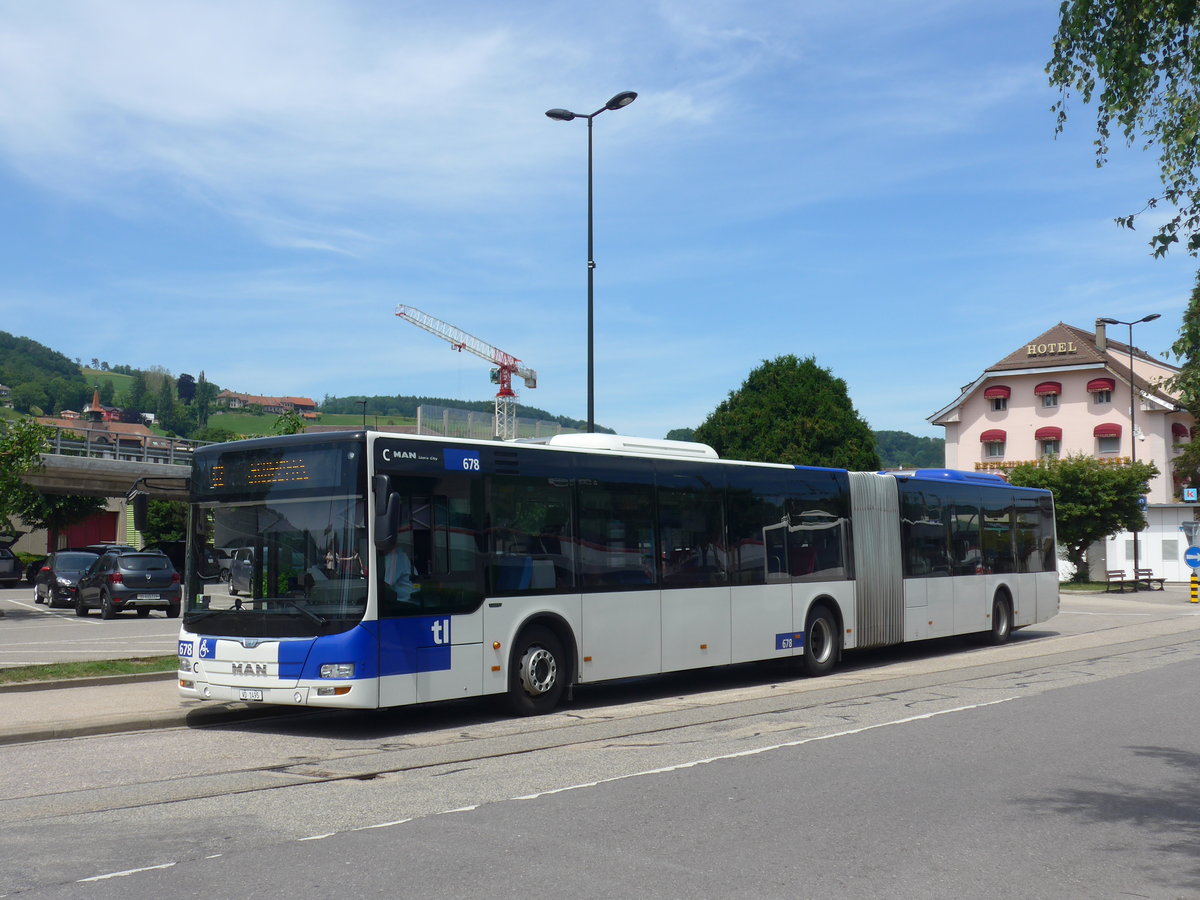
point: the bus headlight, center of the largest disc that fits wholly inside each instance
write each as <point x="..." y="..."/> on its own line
<point x="337" y="670"/>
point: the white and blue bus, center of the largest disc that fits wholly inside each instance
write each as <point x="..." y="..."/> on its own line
<point x="377" y="570"/>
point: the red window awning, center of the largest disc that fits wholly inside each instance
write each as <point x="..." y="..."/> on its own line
<point x="994" y="434"/>
<point x="1048" y="387"/>
<point x="1101" y="384"/>
<point x="1178" y="429"/>
<point x="1107" y="429"/>
<point x="997" y="391"/>
<point x="1048" y="433"/>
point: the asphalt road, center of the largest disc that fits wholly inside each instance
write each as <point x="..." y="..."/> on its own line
<point x="1048" y="768"/>
<point x="32" y="634"/>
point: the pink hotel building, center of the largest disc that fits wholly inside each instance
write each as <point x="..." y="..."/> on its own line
<point x="1068" y="392"/>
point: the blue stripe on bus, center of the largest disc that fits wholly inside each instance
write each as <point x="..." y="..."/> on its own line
<point x="403" y="646"/>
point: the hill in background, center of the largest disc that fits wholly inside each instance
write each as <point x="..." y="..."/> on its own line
<point x="44" y="382"/>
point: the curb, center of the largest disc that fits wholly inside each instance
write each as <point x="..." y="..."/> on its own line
<point x="93" y="681"/>
<point x="183" y="717"/>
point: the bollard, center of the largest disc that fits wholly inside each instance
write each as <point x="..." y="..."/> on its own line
<point x="1195" y="599"/>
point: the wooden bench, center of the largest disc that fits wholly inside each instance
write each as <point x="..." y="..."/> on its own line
<point x="1146" y="577"/>
<point x="1117" y="577"/>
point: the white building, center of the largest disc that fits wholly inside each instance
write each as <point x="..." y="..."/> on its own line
<point x="1067" y="392"/>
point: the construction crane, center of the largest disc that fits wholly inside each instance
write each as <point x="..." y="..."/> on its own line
<point x="506" y="365"/>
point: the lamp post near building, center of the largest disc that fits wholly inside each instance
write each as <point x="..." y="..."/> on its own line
<point x="1132" y="414"/>
<point x="619" y="101"/>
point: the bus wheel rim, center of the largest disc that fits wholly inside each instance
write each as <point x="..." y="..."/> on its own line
<point x="538" y="670"/>
<point x="820" y="641"/>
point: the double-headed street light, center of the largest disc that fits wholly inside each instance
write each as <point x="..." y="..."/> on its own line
<point x="1132" y="414"/>
<point x="619" y="101"/>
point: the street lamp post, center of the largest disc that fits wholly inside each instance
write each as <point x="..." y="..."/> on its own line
<point x="1132" y="415"/>
<point x="619" y="101"/>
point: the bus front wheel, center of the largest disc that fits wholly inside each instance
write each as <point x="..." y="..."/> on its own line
<point x="1001" y="621"/>
<point x="537" y="672"/>
<point x="820" y="642"/>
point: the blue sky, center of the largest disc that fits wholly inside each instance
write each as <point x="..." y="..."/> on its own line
<point x="250" y="189"/>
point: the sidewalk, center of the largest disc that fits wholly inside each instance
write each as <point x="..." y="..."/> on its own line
<point x="45" y="710"/>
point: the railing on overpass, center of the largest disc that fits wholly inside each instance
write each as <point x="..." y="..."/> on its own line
<point x="127" y="446"/>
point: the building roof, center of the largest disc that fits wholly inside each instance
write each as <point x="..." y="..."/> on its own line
<point x="1066" y="348"/>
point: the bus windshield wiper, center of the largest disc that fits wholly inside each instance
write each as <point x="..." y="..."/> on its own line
<point x="320" y="620"/>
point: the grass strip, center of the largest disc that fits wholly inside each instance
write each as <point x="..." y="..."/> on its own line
<point x="88" y="669"/>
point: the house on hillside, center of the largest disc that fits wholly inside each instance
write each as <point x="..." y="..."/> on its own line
<point x="273" y="405"/>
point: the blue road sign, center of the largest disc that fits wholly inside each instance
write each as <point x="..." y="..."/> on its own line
<point x="1191" y="556"/>
<point x="1191" y="495"/>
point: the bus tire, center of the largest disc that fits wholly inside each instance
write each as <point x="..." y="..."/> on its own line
<point x="1001" y="620"/>
<point x="820" y="642"/>
<point x="537" y="672"/>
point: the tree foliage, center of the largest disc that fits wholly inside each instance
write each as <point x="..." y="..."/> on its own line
<point x="1139" y="61"/>
<point x="1186" y="382"/>
<point x="288" y="422"/>
<point x="40" y="377"/>
<point x="1092" y="501"/>
<point x="901" y="450"/>
<point x="55" y="512"/>
<point x="166" y="520"/>
<point x="21" y="445"/>
<point x="791" y="410"/>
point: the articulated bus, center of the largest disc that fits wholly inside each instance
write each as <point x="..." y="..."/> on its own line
<point x="373" y="570"/>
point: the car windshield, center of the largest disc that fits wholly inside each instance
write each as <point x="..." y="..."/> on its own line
<point x="296" y="568"/>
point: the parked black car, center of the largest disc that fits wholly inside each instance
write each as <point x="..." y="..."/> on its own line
<point x="56" y="582"/>
<point x="120" y="581"/>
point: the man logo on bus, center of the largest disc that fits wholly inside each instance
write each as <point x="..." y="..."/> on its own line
<point x="204" y="648"/>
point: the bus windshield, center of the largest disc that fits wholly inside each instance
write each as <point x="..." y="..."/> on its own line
<point x="278" y="568"/>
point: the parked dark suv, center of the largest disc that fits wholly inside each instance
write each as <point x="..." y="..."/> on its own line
<point x="56" y="580"/>
<point x="120" y="581"/>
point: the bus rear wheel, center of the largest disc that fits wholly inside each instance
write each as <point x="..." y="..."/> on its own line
<point x="820" y="642"/>
<point x="537" y="672"/>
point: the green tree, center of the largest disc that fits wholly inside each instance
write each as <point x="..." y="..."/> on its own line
<point x="901" y="450"/>
<point x="681" y="434"/>
<point x="166" y="520"/>
<point x="288" y="422"/>
<point x="54" y="512"/>
<point x="1139" y="61"/>
<point x="1186" y="466"/>
<point x="21" y="445"/>
<point x="204" y="399"/>
<point x="791" y="410"/>
<point x="135" y="397"/>
<point x="1092" y="501"/>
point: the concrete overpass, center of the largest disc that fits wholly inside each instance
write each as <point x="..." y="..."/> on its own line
<point x="101" y="463"/>
<point x="98" y="477"/>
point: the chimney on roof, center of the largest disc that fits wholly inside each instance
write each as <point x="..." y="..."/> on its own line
<point x="1101" y="337"/>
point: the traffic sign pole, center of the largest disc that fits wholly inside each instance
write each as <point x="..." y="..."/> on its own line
<point x="1191" y="556"/>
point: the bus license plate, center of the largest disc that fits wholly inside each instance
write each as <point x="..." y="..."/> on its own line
<point x="250" y="695"/>
<point x="147" y="596"/>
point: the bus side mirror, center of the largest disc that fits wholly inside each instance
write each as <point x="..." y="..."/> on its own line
<point x="387" y="513"/>
<point x="141" y="503"/>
